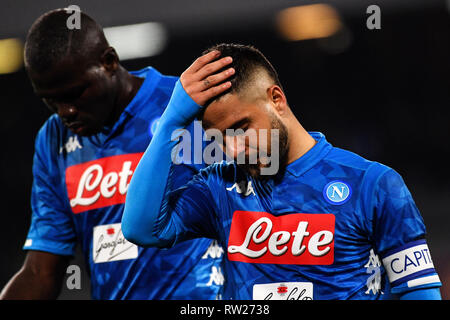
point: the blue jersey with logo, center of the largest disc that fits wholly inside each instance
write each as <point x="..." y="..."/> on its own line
<point x="332" y="225"/>
<point x="78" y="195"/>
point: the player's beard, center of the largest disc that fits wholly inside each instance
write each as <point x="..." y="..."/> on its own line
<point x="255" y="170"/>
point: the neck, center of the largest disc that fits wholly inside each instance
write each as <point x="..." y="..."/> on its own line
<point x="300" y="141"/>
<point x="128" y="86"/>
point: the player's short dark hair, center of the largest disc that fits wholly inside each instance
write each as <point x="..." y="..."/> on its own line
<point x="246" y="61"/>
<point x="49" y="39"/>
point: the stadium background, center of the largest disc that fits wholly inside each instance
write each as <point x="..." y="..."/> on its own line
<point x="382" y="93"/>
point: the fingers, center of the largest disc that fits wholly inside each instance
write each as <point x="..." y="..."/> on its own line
<point x="202" y="81"/>
<point x="203" y="60"/>
<point x="212" y="67"/>
<point x="214" y="91"/>
<point x="214" y="79"/>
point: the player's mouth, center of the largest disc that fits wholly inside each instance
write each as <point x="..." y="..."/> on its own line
<point x="77" y="127"/>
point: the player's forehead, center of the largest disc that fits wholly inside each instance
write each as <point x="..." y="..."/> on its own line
<point x="229" y="112"/>
<point x="221" y="110"/>
<point x="61" y="77"/>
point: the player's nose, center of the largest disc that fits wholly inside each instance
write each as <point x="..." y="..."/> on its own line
<point x="235" y="146"/>
<point x="67" y="112"/>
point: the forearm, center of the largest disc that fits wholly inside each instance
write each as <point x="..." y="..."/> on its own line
<point x="149" y="187"/>
<point x="146" y="213"/>
<point x="27" y="285"/>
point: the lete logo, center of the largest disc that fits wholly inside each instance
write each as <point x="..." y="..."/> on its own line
<point x="298" y="238"/>
<point x="100" y="183"/>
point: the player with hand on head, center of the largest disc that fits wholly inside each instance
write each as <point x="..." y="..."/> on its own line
<point x="85" y="155"/>
<point x="328" y="224"/>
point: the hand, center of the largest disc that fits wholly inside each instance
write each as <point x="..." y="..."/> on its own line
<point x="200" y="80"/>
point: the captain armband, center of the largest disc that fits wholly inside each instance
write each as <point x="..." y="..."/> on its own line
<point x="410" y="265"/>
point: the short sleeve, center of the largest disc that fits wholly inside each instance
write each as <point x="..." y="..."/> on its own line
<point x="399" y="235"/>
<point x="51" y="228"/>
<point x="397" y="220"/>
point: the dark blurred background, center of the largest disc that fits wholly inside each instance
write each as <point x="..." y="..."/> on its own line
<point x="382" y="93"/>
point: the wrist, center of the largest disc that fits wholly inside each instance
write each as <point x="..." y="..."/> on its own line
<point x="181" y="110"/>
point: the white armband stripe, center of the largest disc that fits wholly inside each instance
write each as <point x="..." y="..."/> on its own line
<point x="423" y="280"/>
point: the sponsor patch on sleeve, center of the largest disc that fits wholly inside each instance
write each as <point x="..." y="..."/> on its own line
<point x="409" y="262"/>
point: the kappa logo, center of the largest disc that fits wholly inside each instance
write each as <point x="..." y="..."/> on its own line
<point x="71" y="145"/>
<point x="214" y="251"/>
<point x="243" y="187"/>
<point x="373" y="266"/>
<point x="337" y="192"/>
<point x="216" y="276"/>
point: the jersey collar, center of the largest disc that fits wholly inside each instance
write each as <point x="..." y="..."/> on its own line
<point x="312" y="157"/>
<point x="151" y="77"/>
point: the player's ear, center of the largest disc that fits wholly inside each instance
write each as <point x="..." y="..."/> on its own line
<point x="278" y="99"/>
<point x="110" y="59"/>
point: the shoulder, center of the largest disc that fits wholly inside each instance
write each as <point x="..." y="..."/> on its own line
<point x="51" y="135"/>
<point x="377" y="182"/>
<point x="154" y="78"/>
<point x="154" y="93"/>
<point x="370" y="179"/>
<point x="354" y="164"/>
<point x="348" y="159"/>
<point x="51" y="125"/>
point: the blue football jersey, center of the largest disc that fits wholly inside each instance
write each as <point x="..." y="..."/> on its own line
<point x="78" y="196"/>
<point x="331" y="225"/>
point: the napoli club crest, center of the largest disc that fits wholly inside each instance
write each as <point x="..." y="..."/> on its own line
<point x="337" y="192"/>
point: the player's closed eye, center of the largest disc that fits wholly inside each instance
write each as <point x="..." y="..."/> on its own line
<point x="236" y="132"/>
<point x="75" y="95"/>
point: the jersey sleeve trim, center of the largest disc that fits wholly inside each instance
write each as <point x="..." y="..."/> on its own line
<point x="422" y="294"/>
<point x="425" y="282"/>
<point x="50" y="246"/>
